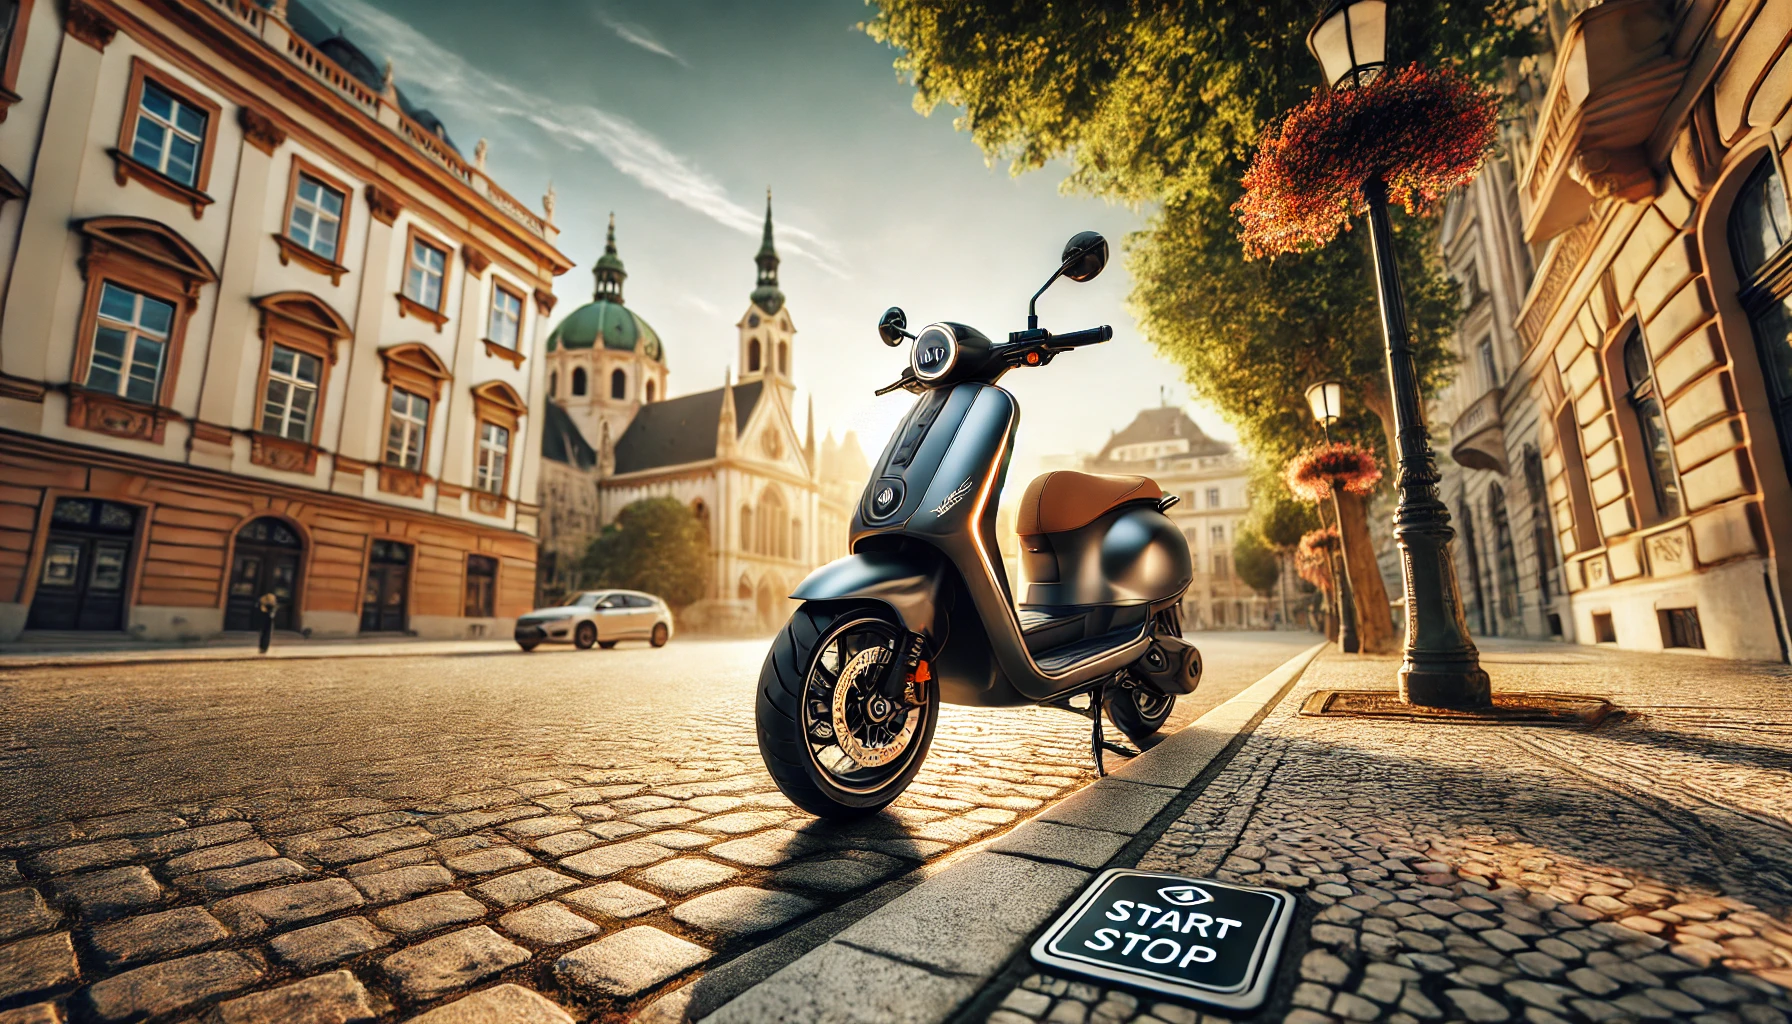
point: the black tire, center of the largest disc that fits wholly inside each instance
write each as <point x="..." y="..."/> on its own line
<point x="584" y="636"/>
<point x="528" y="645"/>
<point x="815" y="635"/>
<point x="1139" y="711"/>
<point x="660" y="635"/>
<point x="606" y="644"/>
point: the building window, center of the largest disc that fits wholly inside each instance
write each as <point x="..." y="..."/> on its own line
<point x="579" y="384"/>
<point x="1222" y="567"/>
<point x="1645" y="406"/>
<point x="1760" y="230"/>
<point x="290" y="399"/>
<point x="1604" y="630"/>
<point x="494" y="458"/>
<point x="170" y="133"/>
<point x="753" y="355"/>
<point x="316" y="218"/>
<point x="784" y="358"/>
<point x="130" y="344"/>
<point x="506" y="322"/>
<point x="1680" y="628"/>
<point x="407" y="430"/>
<point x="554" y="384"/>
<point x="1216" y="535"/>
<point x="482" y="586"/>
<point x="1213" y="497"/>
<point x="424" y="272"/>
<point x="1489" y="366"/>
<point x="15" y="18"/>
<point x="650" y="391"/>
<point x="618" y="384"/>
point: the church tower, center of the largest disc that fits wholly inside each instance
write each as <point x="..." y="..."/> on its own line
<point x="767" y="337"/>
<point x="604" y="360"/>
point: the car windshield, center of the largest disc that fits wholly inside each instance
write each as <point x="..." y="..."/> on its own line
<point x="588" y="600"/>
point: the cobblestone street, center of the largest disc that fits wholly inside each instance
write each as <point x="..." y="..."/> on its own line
<point x="1490" y="873"/>
<point x="371" y="838"/>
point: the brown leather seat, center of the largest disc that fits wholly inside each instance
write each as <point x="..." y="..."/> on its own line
<point x="1064" y="500"/>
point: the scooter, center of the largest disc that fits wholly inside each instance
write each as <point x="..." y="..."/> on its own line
<point x="921" y="612"/>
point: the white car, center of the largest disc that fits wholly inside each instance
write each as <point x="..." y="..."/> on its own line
<point x="599" y="617"/>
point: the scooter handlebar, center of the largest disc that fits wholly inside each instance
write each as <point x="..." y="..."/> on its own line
<point x="1092" y="336"/>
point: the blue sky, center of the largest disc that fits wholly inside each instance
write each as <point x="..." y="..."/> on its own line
<point x="678" y="114"/>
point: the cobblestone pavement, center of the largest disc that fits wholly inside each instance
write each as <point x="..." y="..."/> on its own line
<point x="1475" y="873"/>
<point x="514" y="837"/>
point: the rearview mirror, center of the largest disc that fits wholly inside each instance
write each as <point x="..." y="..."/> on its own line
<point x="890" y="326"/>
<point x="1085" y="255"/>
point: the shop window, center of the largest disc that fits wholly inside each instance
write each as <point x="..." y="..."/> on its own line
<point x="1761" y="243"/>
<point x="1651" y="425"/>
<point x="1604" y="632"/>
<point x="505" y="324"/>
<point x="482" y="586"/>
<point x="1680" y="628"/>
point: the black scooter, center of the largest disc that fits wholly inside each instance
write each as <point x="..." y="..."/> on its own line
<point x="921" y="611"/>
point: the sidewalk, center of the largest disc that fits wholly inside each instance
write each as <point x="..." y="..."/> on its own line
<point x="1642" y="871"/>
<point x="44" y="654"/>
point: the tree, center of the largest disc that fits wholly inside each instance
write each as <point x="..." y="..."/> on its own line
<point x="655" y="544"/>
<point x="1161" y="106"/>
<point x="1256" y="562"/>
<point x="1280" y="521"/>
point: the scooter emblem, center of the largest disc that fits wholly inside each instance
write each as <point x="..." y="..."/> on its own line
<point x="955" y="497"/>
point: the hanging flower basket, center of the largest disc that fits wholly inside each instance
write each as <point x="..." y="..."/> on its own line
<point x="1313" y="559"/>
<point x="1310" y="474"/>
<point x="1423" y="130"/>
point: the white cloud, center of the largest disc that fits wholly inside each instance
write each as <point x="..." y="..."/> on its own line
<point x="634" y="151"/>
<point x="636" y="35"/>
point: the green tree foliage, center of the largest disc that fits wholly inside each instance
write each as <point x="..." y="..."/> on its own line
<point x="656" y="545"/>
<point x="1259" y="565"/>
<point x="1276" y="516"/>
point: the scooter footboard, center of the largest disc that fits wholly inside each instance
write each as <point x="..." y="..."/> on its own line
<point x="908" y="585"/>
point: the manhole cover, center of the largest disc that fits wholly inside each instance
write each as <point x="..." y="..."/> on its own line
<point x="1558" y="709"/>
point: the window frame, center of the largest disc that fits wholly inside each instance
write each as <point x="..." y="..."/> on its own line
<point x="422" y="427"/>
<point x="480" y="448"/>
<point x="491" y="310"/>
<point x="292" y="249"/>
<point x="416" y="370"/>
<point x="128" y="168"/>
<point x="304" y="323"/>
<point x="1635" y="428"/>
<point x="133" y="331"/>
<point x="294" y="384"/>
<point x="15" y="52"/>
<point x="618" y="385"/>
<point x="408" y="306"/>
<point x="1768" y="286"/>
<point x="495" y="404"/>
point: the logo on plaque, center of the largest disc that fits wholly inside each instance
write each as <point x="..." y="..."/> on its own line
<point x="1194" y="938"/>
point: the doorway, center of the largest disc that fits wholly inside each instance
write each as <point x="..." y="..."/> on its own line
<point x="383" y="602"/>
<point x="87" y="561"/>
<point x="267" y="559"/>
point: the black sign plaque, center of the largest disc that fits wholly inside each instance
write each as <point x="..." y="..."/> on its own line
<point x="1189" y="937"/>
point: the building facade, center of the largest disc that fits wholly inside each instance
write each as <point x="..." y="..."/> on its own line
<point x="1653" y="338"/>
<point x="265" y="332"/>
<point x="774" y="504"/>
<point x="1213" y="484"/>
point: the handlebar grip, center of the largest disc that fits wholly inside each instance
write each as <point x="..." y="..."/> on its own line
<point x="1092" y="336"/>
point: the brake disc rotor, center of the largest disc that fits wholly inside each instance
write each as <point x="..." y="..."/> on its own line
<point x="869" y="739"/>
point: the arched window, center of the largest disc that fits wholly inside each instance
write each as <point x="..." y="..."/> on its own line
<point x="796" y="538"/>
<point x="752" y="355"/>
<point x="578" y="381"/>
<point x="701" y="511"/>
<point x="1477" y="601"/>
<point x="774" y="525"/>
<point x="745" y="590"/>
<point x="1761" y="240"/>
<point x="784" y="358"/>
<point x="618" y="384"/>
<point x="1645" y="406"/>
<point x="554" y="384"/>
<point x="1505" y="554"/>
<point x="746" y="528"/>
<point x="650" y="391"/>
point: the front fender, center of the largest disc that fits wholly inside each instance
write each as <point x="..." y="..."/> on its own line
<point x="905" y="581"/>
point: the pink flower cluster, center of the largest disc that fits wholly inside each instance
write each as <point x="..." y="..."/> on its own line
<point x="1310" y="474"/>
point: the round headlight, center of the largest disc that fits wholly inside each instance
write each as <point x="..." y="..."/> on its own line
<point x="935" y="352"/>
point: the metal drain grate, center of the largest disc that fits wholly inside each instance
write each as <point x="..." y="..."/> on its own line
<point x="1548" y="709"/>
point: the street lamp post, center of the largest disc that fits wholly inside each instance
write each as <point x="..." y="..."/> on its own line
<point x="1326" y="399"/>
<point x="1440" y="666"/>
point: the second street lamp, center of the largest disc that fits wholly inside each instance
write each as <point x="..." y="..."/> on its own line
<point x="1440" y="665"/>
<point x="1326" y="399"/>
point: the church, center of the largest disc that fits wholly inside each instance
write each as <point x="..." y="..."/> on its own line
<point x="775" y="504"/>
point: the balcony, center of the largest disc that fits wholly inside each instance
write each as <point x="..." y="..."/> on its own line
<point x="1614" y="77"/>
<point x="1478" y="437"/>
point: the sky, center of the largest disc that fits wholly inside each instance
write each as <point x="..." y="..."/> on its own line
<point x="677" y="115"/>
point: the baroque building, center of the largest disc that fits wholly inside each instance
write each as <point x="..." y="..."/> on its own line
<point x="265" y="331"/>
<point x="775" y="505"/>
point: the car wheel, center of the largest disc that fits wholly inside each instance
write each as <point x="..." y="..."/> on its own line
<point x="584" y="636"/>
<point x="606" y="644"/>
<point x="660" y="634"/>
<point x="528" y="645"/>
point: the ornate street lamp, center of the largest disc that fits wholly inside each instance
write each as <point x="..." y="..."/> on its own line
<point x="1440" y="666"/>
<point x="1326" y="399"/>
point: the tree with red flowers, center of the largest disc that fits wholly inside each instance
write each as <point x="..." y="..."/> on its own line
<point x="1349" y="472"/>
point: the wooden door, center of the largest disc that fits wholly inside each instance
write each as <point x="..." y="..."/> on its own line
<point x="83" y="583"/>
<point x="267" y="561"/>
<point x="384" y="600"/>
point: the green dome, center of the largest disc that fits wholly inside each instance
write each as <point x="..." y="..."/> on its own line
<point x="621" y="329"/>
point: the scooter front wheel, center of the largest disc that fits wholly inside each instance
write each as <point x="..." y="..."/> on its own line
<point x="833" y="744"/>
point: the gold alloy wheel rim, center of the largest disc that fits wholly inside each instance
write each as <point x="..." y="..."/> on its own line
<point x="862" y="670"/>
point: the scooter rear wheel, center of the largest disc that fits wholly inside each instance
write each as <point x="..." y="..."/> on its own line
<point x="831" y="744"/>
<point x="1139" y="711"/>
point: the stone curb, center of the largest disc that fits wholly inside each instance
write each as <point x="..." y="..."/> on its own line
<point x="921" y="956"/>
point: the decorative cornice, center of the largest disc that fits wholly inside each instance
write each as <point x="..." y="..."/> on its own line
<point x="87" y="24"/>
<point x="259" y="130"/>
<point x="383" y="204"/>
<point x="475" y="260"/>
<point x="544" y="301"/>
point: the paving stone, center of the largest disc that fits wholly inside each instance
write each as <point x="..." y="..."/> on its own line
<point x="194" y="838"/>
<point x="430" y="913"/>
<point x="403" y="883"/>
<point x="84" y="857"/>
<point x="615" y="858"/>
<point x="248" y="876"/>
<point x="742" y="821"/>
<point x="840" y="874"/>
<point x="614" y="899"/>
<point x="334" y="998"/>
<point x="484" y="862"/>
<point x="170" y="985"/>
<point x="131" y="824"/>
<point x="768" y="849"/>
<point x="628" y="962"/>
<point x="155" y="936"/>
<point x="1477" y="1006"/>
<point x="1592" y="982"/>
<point x="37" y="964"/>
<point x="531" y="828"/>
<point x="1713" y="990"/>
<point x="346" y="851"/>
<point x="740" y="910"/>
<point x="679" y="839"/>
<point x="500" y="1004"/>
<point x="524" y="886"/>
<point x="666" y="816"/>
<point x="564" y="844"/>
<point x="453" y="961"/>
<point x="328" y="943"/>
<point x="687" y="875"/>
<point x="1355" y="1007"/>
<point x="611" y="830"/>
<point x="110" y="893"/>
<point x="416" y="856"/>
<point x="36" y="1013"/>
<point x="1321" y="966"/>
<point x="256" y="912"/>
<point x="549" y="924"/>
<point x="23" y="911"/>
<point x="227" y="855"/>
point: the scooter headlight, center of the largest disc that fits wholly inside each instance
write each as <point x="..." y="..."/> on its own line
<point x="935" y="352"/>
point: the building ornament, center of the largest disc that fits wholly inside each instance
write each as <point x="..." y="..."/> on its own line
<point x="86" y="23"/>
<point x="259" y="130"/>
<point x="384" y="206"/>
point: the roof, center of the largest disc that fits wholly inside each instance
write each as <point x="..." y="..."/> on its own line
<point x="562" y="442"/>
<point x="844" y="459"/>
<point x="681" y="430"/>
<point x="1164" y="423"/>
<point x="621" y="328"/>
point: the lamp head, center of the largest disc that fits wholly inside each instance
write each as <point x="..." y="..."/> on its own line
<point x="1350" y="42"/>
<point x="1326" y="400"/>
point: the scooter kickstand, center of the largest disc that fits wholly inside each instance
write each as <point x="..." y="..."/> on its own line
<point x="1098" y="742"/>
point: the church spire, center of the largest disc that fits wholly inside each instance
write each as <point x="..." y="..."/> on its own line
<point x="726" y="428"/>
<point x="608" y="271"/>
<point x="767" y="296"/>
